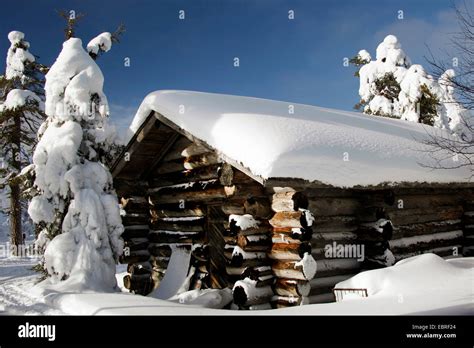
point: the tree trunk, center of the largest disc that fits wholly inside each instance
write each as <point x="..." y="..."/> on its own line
<point x="15" y="216"/>
<point x="15" y="203"/>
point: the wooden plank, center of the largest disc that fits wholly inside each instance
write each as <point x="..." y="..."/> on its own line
<point x="426" y="228"/>
<point x="289" y="201"/>
<point x="293" y="219"/>
<point x="286" y="287"/>
<point x="287" y="251"/>
<point x="412" y="216"/>
<point x="333" y="206"/>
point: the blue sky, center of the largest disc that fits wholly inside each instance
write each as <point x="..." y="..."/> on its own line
<point x="298" y="60"/>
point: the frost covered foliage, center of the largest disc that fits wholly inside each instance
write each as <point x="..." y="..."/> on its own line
<point x="18" y="57"/>
<point x="76" y="202"/>
<point x="101" y="43"/>
<point x="21" y="113"/>
<point x="21" y="106"/>
<point x="391" y="86"/>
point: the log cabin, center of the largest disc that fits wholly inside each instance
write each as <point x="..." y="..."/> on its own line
<point x="281" y="201"/>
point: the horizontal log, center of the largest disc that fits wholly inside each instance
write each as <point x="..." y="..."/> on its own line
<point x="425" y="201"/>
<point x="171" y="237"/>
<point x="259" y="207"/>
<point x="288" y="251"/>
<point x="127" y="188"/>
<point x="337" y="223"/>
<point x="429" y="241"/>
<point x="413" y="216"/>
<point x="156" y="214"/>
<point x="320" y="240"/>
<point x="262" y="228"/>
<point x="237" y="257"/>
<point x="258" y="242"/>
<point x="321" y="290"/>
<point x="192" y="149"/>
<point x="233" y="208"/>
<point x="178" y="226"/>
<point x="315" y="193"/>
<point x="333" y="206"/>
<point x="135" y="257"/>
<point x="241" y="178"/>
<point x="257" y="273"/>
<point x="426" y="228"/>
<point x="202" y="191"/>
<point x="134" y="204"/>
<point x="335" y="267"/>
<point x="291" y="235"/>
<point x="194" y="194"/>
<point x="135" y="231"/>
<point x="376" y="231"/>
<point x="468" y="218"/>
<point x="136" y="218"/>
<point x="241" y="265"/>
<point x="191" y="162"/>
<point x="136" y="243"/>
<point x="289" y="201"/>
<point x="295" y="219"/>
<point x="245" y="293"/>
<point x="298" y="288"/>
<point x="445" y="252"/>
<point x="210" y="172"/>
<point x="290" y="270"/>
<point x="289" y="301"/>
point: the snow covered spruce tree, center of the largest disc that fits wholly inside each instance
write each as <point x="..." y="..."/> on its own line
<point x="21" y="113"/>
<point x="76" y="202"/>
<point x="391" y="86"/>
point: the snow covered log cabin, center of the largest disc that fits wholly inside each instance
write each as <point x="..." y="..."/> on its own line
<point x="281" y="201"/>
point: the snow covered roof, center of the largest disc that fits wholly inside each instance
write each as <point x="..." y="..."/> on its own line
<point x="275" y="139"/>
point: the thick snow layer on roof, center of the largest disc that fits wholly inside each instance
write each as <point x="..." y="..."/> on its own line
<point x="282" y="139"/>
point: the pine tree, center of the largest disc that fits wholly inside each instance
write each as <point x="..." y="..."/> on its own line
<point x="21" y="113"/>
<point x="75" y="200"/>
<point x="391" y="86"/>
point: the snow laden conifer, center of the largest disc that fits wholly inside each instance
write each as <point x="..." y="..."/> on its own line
<point x="21" y="113"/>
<point x="76" y="202"/>
<point x="391" y="86"/>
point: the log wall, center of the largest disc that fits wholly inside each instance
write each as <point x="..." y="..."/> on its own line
<point x="190" y="197"/>
<point x="391" y="224"/>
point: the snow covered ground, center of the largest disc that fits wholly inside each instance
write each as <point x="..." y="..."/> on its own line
<point x="424" y="284"/>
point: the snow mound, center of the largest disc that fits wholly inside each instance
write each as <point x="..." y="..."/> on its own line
<point x="206" y="298"/>
<point x="415" y="275"/>
<point x="331" y="146"/>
